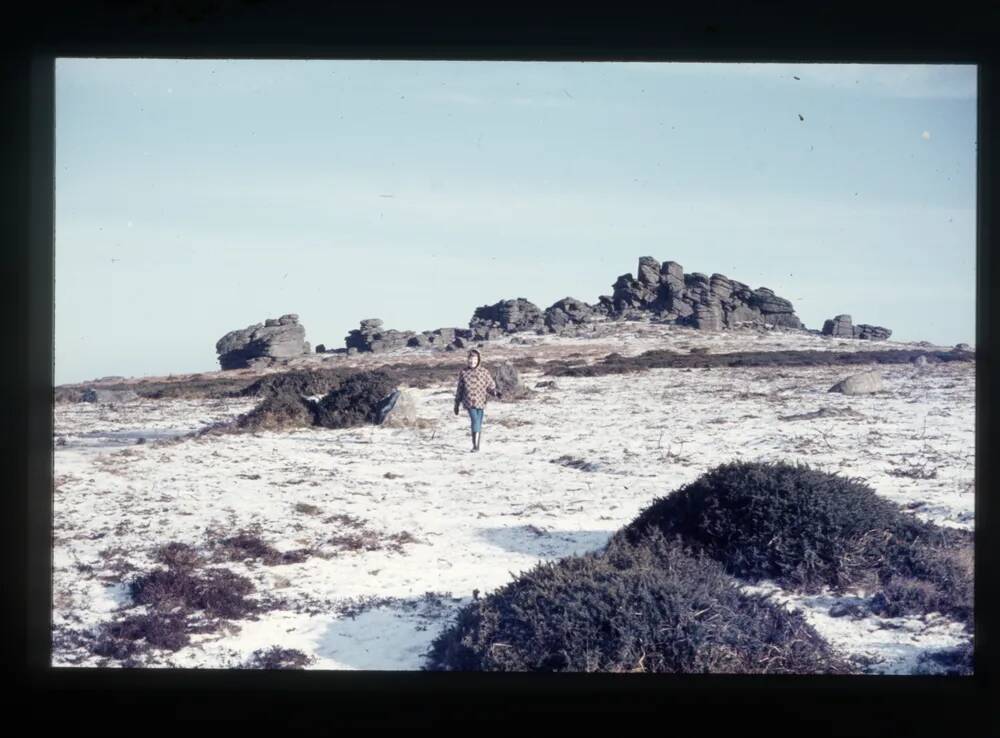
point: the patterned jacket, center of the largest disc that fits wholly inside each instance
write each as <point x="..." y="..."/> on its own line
<point x="473" y="387"/>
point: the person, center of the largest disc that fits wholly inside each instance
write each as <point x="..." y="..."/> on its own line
<point x="475" y="384"/>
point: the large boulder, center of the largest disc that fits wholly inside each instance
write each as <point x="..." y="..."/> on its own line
<point x="399" y="410"/>
<point x="859" y="384"/>
<point x="507" y="380"/>
<point x="840" y="326"/>
<point x="276" y="338"/>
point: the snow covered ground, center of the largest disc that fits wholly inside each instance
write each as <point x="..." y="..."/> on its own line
<point x="451" y="522"/>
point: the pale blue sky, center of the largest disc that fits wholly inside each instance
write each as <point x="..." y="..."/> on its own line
<point x="194" y="197"/>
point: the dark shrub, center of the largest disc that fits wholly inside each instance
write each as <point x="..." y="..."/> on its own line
<point x="356" y="401"/>
<point x="664" y="358"/>
<point x="283" y="409"/>
<point x="277" y="658"/>
<point x="653" y="608"/>
<point x="249" y="545"/>
<point x="218" y="592"/>
<point x="138" y="633"/>
<point x="317" y="382"/>
<point x="807" y="529"/>
<point x="178" y="556"/>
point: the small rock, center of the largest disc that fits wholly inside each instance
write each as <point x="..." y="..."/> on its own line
<point x="841" y="609"/>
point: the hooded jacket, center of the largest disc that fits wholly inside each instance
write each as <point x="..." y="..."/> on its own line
<point x="474" y="386"/>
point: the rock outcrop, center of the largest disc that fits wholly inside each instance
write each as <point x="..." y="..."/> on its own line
<point x="507" y="316"/>
<point x="695" y="299"/>
<point x="659" y="290"/>
<point x="842" y="326"/>
<point x="275" y="338"/>
<point x="371" y="336"/>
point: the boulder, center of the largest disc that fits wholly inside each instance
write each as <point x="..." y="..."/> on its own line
<point x="507" y="380"/>
<point x="859" y="384"/>
<point x="276" y="338"/>
<point x="839" y="326"/>
<point x="399" y="410"/>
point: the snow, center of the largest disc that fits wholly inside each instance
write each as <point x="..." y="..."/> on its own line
<point x="480" y="519"/>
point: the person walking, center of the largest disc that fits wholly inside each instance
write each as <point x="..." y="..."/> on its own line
<point x="475" y="384"/>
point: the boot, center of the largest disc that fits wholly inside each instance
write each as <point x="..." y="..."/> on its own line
<point x="475" y="441"/>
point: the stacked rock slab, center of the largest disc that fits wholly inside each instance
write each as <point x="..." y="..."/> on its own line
<point x="276" y="338"/>
<point x="507" y="316"/>
<point x="371" y="336"/>
<point x="841" y="326"/>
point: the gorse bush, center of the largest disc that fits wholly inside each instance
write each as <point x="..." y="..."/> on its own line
<point x="136" y="634"/>
<point x="276" y="658"/>
<point x="654" y="608"/>
<point x="807" y="529"/>
<point x="316" y="382"/>
<point x="282" y="409"/>
<point x="215" y="591"/>
<point x="355" y="401"/>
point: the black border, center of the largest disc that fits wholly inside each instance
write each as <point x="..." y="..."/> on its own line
<point x="760" y="31"/>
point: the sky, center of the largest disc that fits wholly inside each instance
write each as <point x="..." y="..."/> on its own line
<point x="195" y="197"/>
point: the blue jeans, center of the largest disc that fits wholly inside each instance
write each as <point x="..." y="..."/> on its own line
<point x="476" y="415"/>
